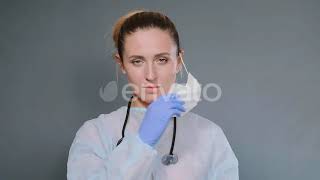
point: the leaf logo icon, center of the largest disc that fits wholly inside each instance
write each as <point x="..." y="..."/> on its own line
<point x="109" y="92"/>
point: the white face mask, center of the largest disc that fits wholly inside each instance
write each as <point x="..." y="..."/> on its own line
<point x="189" y="93"/>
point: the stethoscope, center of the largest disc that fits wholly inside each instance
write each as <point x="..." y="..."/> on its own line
<point x="167" y="159"/>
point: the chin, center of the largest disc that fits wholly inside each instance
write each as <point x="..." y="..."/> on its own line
<point x="149" y="98"/>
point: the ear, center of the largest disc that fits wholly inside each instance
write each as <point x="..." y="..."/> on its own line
<point x="180" y="59"/>
<point x="118" y="60"/>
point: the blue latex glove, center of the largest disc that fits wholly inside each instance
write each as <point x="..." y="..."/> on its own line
<point x="157" y="117"/>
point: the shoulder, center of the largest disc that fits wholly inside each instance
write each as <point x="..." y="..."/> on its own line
<point x="103" y="123"/>
<point x="213" y="135"/>
<point x="204" y="124"/>
<point x="99" y="133"/>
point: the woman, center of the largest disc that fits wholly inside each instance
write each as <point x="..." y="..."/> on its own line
<point x="149" y="53"/>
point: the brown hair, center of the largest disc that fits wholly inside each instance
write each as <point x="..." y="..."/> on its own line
<point x="141" y="19"/>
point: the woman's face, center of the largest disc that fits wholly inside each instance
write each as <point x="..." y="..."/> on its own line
<point x="151" y="63"/>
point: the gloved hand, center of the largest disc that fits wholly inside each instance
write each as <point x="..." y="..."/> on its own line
<point x="157" y="116"/>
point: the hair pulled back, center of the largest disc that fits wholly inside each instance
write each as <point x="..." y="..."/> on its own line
<point x="141" y="19"/>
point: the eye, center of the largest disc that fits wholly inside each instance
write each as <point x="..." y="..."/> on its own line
<point x="136" y="61"/>
<point x="162" y="60"/>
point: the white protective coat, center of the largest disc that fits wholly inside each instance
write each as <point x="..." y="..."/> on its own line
<point x="202" y="148"/>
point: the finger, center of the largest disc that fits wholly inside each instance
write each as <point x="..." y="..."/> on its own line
<point x="175" y="113"/>
<point x="172" y="96"/>
<point x="177" y="101"/>
<point x="178" y="106"/>
<point x="163" y="98"/>
<point x="166" y="97"/>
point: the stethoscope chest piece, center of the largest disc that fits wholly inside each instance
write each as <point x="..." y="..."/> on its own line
<point x="169" y="159"/>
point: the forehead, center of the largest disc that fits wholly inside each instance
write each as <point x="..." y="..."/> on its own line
<point x="147" y="42"/>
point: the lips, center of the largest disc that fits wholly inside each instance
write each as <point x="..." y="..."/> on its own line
<point x="151" y="86"/>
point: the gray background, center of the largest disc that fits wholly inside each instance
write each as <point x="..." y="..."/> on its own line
<point x="263" y="54"/>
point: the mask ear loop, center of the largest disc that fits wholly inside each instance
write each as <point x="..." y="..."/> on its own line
<point x="183" y="64"/>
<point x="117" y="74"/>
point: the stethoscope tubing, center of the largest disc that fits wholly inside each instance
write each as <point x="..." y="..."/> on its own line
<point x="168" y="161"/>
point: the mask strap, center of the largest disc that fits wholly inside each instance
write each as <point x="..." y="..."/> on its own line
<point x="117" y="73"/>
<point x="183" y="63"/>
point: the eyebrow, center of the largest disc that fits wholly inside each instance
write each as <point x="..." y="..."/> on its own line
<point x="141" y="57"/>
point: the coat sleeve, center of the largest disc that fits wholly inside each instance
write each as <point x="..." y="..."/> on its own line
<point x="90" y="159"/>
<point x="224" y="163"/>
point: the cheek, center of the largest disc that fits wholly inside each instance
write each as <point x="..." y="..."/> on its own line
<point x="167" y="79"/>
<point x="134" y="75"/>
<point x="135" y="78"/>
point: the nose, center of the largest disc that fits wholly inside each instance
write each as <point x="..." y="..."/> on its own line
<point x="151" y="73"/>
